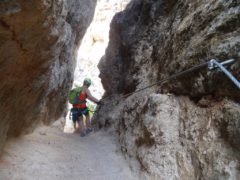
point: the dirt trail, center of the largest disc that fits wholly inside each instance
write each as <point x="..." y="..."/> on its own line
<point x="50" y="154"/>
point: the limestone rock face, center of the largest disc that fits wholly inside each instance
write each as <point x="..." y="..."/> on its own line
<point x="174" y="138"/>
<point x="187" y="128"/>
<point x="94" y="44"/>
<point x="38" y="41"/>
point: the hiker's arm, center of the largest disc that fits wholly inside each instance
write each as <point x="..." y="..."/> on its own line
<point x="90" y="97"/>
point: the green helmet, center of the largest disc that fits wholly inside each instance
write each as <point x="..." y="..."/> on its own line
<point x="87" y="82"/>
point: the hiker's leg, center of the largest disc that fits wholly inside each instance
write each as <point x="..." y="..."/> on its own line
<point x="80" y="124"/>
<point x="82" y="129"/>
<point x="74" y="118"/>
<point x="88" y="123"/>
<point x="85" y="112"/>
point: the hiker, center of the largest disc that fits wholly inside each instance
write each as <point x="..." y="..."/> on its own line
<point x="82" y="108"/>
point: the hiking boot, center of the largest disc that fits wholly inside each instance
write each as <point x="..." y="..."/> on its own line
<point x="82" y="134"/>
<point x="88" y="130"/>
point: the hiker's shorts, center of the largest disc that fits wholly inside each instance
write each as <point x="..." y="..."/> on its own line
<point x="76" y="113"/>
<point x="84" y="111"/>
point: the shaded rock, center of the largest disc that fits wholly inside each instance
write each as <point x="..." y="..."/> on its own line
<point x="152" y="40"/>
<point x="191" y="133"/>
<point x="230" y="125"/>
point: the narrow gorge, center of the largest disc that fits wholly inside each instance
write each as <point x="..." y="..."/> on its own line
<point x="185" y="128"/>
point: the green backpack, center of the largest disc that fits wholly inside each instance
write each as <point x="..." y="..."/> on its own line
<point x="74" y="95"/>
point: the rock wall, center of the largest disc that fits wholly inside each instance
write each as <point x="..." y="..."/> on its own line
<point x="38" y="42"/>
<point x="92" y="49"/>
<point x="187" y="128"/>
